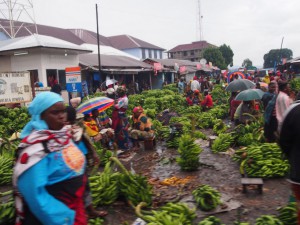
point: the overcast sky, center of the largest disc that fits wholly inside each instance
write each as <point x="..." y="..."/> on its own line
<point x="250" y="27"/>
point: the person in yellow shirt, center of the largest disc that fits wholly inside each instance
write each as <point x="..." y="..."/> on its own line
<point x="267" y="79"/>
<point x="141" y="128"/>
<point x="91" y="128"/>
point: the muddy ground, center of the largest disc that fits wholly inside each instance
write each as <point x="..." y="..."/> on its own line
<point x="217" y="170"/>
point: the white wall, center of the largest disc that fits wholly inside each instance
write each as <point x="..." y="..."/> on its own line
<point x="134" y="51"/>
<point x="42" y="61"/>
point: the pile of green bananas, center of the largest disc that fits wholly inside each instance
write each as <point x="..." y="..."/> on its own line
<point x="222" y="142"/>
<point x="189" y="153"/>
<point x="207" y="198"/>
<point x="169" y="214"/>
<point x="7" y="210"/>
<point x="96" y="221"/>
<point x="6" y="165"/>
<point x="135" y="188"/>
<point x="198" y="134"/>
<point x="268" y="220"/>
<point x="219" y="127"/>
<point x="241" y="223"/>
<point x="104" y="186"/>
<point x="288" y="214"/>
<point x="263" y="160"/>
<point x="249" y="133"/>
<point x="211" y="220"/>
<point x="104" y="156"/>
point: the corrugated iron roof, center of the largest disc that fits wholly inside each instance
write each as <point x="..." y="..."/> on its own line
<point x="36" y="41"/>
<point x="112" y="61"/>
<point x="90" y="37"/>
<point x="192" y="46"/>
<point x="56" y="32"/>
<point x="127" y="42"/>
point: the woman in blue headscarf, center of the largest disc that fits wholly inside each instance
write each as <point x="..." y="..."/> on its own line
<point x="49" y="171"/>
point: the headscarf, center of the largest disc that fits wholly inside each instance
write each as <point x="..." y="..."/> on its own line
<point x="138" y="109"/>
<point x="39" y="104"/>
<point x="195" y="78"/>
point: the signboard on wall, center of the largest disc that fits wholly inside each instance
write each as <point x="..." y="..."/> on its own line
<point x="15" y="87"/>
<point x="73" y="79"/>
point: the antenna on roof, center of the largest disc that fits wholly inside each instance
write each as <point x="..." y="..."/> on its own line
<point x="200" y="17"/>
<point x="14" y="11"/>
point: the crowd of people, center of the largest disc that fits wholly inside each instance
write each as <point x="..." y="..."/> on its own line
<point x="57" y="144"/>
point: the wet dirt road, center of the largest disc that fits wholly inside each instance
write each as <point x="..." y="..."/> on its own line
<point x="217" y="170"/>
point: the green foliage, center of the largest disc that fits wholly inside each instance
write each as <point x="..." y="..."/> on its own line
<point x="275" y="55"/>
<point x="246" y="63"/>
<point x="227" y="54"/>
<point x="215" y="56"/>
<point x="189" y="153"/>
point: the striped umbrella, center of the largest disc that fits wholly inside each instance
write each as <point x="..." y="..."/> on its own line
<point x="99" y="103"/>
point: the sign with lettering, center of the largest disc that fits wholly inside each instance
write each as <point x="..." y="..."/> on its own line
<point x="73" y="79"/>
<point x="15" y="87"/>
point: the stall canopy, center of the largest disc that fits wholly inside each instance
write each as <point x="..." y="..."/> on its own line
<point x="114" y="63"/>
<point x="170" y="65"/>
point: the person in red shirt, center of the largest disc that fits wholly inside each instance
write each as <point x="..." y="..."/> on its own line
<point x="207" y="102"/>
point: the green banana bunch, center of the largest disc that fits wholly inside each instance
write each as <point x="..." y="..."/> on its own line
<point x="263" y="160"/>
<point x="240" y="223"/>
<point x="170" y="214"/>
<point x="96" y="221"/>
<point x="176" y="209"/>
<point x="268" y="219"/>
<point x="222" y="143"/>
<point x="135" y="188"/>
<point x="211" y="220"/>
<point x="104" y="186"/>
<point x="219" y="127"/>
<point x="6" y="171"/>
<point x="288" y="214"/>
<point x="7" y="212"/>
<point x="189" y="153"/>
<point x="207" y="198"/>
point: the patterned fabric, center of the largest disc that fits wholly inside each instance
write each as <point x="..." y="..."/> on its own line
<point x="283" y="101"/>
<point x="46" y="158"/>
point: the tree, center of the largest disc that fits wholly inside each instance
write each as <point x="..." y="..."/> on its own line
<point x="247" y="62"/>
<point x="227" y="54"/>
<point x="274" y="57"/>
<point x="214" y="55"/>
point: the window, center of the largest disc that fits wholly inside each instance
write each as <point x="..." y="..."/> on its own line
<point x="143" y="54"/>
<point x="185" y="53"/>
<point x="160" y="54"/>
<point x="192" y="52"/>
<point x="150" y="53"/>
<point x="155" y="54"/>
